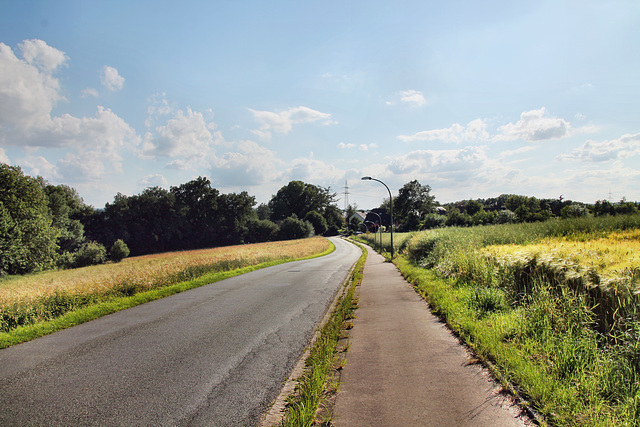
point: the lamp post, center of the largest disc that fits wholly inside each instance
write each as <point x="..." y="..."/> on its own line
<point x="379" y="227"/>
<point x="368" y="178"/>
<point x="374" y="233"/>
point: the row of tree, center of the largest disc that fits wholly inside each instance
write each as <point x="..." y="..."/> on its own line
<point x="415" y="208"/>
<point x="43" y="226"/>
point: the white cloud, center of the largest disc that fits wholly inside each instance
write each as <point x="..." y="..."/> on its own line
<point x="476" y="130"/>
<point x="154" y="180"/>
<point x="248" y="164"/>
<point x="283" y="122"/>
<point x="439" y="161"/>
<point x="87" y="92"/>
<point x="535" y="125"/>
<point x="28" y="94"/>
<point x="39" y="54"/>
<point x="343" y="145"/>
<point x="28" y="91"/>
<point x="3" y="156"/>
<point x="310" y="169"/>
<point x="593" y="151"/>
<point x="413" y="97"/>
<point x="111" y="78"/>
<point x="185" y="136"/>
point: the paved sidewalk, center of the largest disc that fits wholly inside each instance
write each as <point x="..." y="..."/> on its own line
<point x="405" y="368"/>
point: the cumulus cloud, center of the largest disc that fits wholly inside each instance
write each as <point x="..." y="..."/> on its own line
<point x="39" y="54"/>
<point x="111" y="78"/>
<point x="593" y="151"/>
<point x="246" y="164"/>
<point x="154" y="180"/>
<point x="3" y="156"/>
<point x="438" y="161"/>
<point x="28" y="93"/>
<point x="413" y="97"/>
<point x="476" y="130"/>
<point x="185" y="136"/>
<point x="283" y="121"/>
<point x="533" y="126"/>
<point x="310" y="169"/>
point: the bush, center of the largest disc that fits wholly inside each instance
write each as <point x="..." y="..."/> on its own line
<point x="90" y="253"/>
<point x="433" y="220"/>
<point x="294" y="228"/>
<point x="119" y="251"/>
<point x="317" y="221"/>
<point x="261" y="230"/>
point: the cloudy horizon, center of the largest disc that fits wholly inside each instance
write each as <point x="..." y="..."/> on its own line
<point x="538" y="99"/>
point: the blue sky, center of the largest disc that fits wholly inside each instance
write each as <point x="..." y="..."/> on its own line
<point x="475" y="99"/>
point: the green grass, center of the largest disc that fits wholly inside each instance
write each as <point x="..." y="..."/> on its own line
<point x="570" y="350"/>
<point x="63" y="311"/>
<point x="376" y="240"/>
<point x="315" y="384"/>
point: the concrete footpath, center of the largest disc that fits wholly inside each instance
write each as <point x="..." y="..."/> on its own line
<point x="405" y="368"/>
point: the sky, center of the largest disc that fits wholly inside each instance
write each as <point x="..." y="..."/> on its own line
<point x="474" y="99"/>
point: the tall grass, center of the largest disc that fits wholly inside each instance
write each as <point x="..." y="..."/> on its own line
<point x="45" y="296"/>
<point x="553" y="306"/>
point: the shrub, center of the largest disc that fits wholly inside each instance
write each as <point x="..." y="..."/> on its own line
<point x="317" y="221"/>
<point x="433" y="220"/>
<point x="294" y="228"/>
<point x="90" y="253"/>
<point x="262" y="230"/>
<point x="118" y="251"/>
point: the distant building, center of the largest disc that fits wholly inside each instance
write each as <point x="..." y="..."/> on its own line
<point x="358" y="215"/>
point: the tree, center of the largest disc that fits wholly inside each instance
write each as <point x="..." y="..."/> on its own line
<point x="317" y="221"/>
<point x="412" y="204"/>
<point x="119" y="251"/>
<point x="261" y="230"/>
<point x="298" y="198"/>
<point x="295" y="228"/>
<point x="27" y="236"/>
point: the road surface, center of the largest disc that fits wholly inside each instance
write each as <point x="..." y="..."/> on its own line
<point x="216" y="355"/>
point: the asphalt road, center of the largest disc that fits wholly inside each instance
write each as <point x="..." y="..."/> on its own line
<point x="216" y="355"/>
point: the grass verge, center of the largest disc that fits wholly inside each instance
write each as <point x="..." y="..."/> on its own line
<point x="562" y="335"/>
<point x="315" y="384"/>
<point x="111" y="305"/>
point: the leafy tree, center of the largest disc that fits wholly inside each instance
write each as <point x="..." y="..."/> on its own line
<point x="604" y="207"/>
<point x="263" y="211"/>
<point x="433" y="220"/>
<point x="295" y="228"/>
<point x="90" y="253"/>
<point x="261" y="230"/>
<point x="298" y="198"/>
<point x="28" y="238"/>
<point x="414" y="201"/>
<point x="473" y="206"/>
<point x="457" y="218"/>
<point x="317" y="221"/>
<point x="234" y="212"/>
<point x="505" y="216"/>
<point x="573" y="210"/>
<point x="119" y="251"/>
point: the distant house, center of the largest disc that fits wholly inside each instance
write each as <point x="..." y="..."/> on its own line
<point x="358" y="215"/>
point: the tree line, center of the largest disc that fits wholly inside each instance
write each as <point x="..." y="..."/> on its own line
<point x="415" y="208"/>
<point x="44" y="226"/>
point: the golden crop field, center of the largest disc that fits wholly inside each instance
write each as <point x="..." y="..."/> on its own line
<point x="611" y="255"/>
<point x="150" y="271"/>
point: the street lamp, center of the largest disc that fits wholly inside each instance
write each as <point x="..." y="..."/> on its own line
<point x="368" y="178"/>
<point x="379" y="227"/>
<point x="374" y="232"/>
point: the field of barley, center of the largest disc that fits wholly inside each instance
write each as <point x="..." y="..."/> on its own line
<point x="44" y="296"/>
